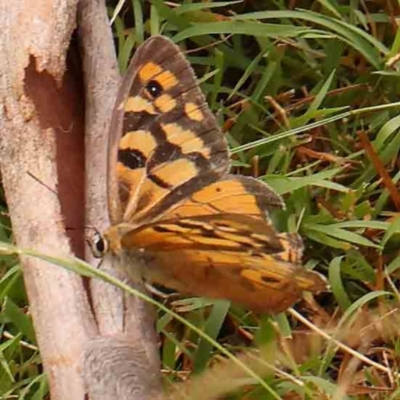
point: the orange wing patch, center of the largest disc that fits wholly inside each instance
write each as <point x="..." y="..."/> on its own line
<point x="193" y="112"/>
<point x="142" y="141"/>
<point x="187" y="140"/>
<point x="137" y="104"/>
<point x="150" y="71"/>
<point x="233" y="194"/>
<point x="165" y="103"/>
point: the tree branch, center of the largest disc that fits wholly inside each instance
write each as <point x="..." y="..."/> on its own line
<point x="130" y="350"/>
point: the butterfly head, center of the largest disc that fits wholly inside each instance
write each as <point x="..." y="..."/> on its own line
<point x="110" y="241"/>
<point x="99" y="245"/>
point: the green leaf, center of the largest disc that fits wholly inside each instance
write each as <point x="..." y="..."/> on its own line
<point x="393" y="228"/>
<point x="138" y="17"/>
<point x="354" y="37"/>
<point x="335" y="280"/>
<point x="316" y="103"/>
<point x="341" y="234"/>
<point x="22" y="321"/>
<point x="212" y="329"/>
<point x="387" y="130"/>
<point x="40" y="393"/>
<point x="283" y="185"/>
<point x="243" y="28"/>
<point x="328" y="387"/>
<point x="184" y="8"/>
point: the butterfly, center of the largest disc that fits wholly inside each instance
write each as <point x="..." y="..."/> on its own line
<point x="173" y="205"/>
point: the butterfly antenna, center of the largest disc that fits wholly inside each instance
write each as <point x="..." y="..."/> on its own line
<point x="42" y="183"/>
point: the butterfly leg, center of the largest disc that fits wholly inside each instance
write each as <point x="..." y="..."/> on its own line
<point x="159" y="293"/>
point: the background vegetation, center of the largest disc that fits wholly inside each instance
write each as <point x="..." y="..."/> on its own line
<point x="306" y="93"/>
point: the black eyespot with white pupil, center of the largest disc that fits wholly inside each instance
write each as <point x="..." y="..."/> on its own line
<point x="154" y="89"/>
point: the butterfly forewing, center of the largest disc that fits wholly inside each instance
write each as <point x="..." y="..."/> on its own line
<point x="165" y="143"/>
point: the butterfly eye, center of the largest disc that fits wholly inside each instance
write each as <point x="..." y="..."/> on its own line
<point x="98" y="245"/>
<point x="154" y="89"/>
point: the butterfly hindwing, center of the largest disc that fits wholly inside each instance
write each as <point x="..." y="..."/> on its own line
<point x="231" y="194"/>
<point x="232" y="256"/>
<point x="164" y="142"/>
<point x="260" y="283"/>
<point x="206" y="232"/>
<point x="220" y="242"/>
<point x="236" y="204"/>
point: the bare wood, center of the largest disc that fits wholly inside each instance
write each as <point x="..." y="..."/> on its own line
<point x="125" y="364"/>
<point x="101" y="83"/>
<point x="41" y="127"/>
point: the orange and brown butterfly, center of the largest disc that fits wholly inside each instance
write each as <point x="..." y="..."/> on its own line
<point x="173" y="205"/>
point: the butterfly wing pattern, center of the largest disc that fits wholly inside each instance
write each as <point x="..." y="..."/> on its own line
<point x="164" y="141"/>
<point x="195" y="228"/>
